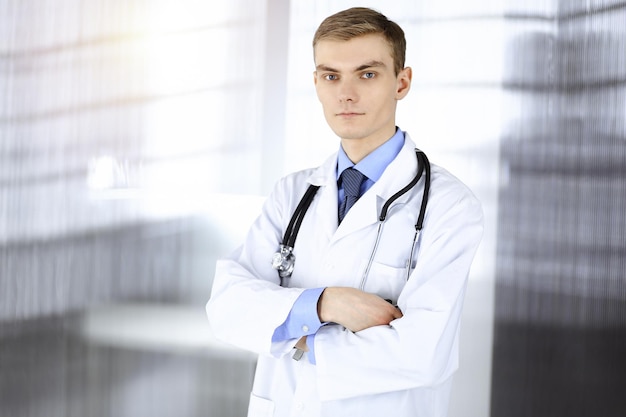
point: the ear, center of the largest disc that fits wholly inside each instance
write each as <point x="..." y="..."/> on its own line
<point x="315" y="78"/>
<point x="403" y="83"/>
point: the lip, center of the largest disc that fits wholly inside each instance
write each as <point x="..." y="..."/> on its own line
<point x="349" y="115"/>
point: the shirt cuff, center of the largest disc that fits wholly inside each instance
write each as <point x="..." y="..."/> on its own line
<point x="302" y="319"/>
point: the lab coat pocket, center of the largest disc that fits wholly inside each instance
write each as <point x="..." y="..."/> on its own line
<point x="385" y="281"/>
<point x="260" y="407"/>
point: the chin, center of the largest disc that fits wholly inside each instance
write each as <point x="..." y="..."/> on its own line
<point x="347" y="133"/>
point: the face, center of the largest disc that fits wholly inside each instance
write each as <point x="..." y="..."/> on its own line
<point x="358" y="88"/>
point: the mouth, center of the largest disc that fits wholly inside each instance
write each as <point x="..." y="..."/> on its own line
<point x="349" y="115"/>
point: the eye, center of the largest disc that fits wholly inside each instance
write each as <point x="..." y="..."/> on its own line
<point x="368" y="75"/>
<point x="330" y="77"/>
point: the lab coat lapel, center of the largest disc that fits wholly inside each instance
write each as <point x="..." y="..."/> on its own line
<point x="366" y="210"/>
<point x="362" y="214"/>
<point x="326" y="208"/>
<point x="398" y="174"/>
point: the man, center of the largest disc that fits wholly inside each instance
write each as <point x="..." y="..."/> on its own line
<point x="365" y="325"/>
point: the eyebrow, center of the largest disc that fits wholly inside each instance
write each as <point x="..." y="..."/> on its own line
<point x="369" y="64"/>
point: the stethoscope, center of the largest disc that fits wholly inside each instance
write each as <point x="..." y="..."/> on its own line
<point x="284" y="260"/>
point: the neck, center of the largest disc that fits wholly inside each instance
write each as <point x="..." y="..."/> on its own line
<point x="357" y="149"/>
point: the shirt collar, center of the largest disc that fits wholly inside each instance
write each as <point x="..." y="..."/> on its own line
<point x="374" y="164"/>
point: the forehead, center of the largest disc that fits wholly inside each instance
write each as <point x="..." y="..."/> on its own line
<point x="350" y="54"/>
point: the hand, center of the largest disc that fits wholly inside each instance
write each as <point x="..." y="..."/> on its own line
<point x="354" y="309"/>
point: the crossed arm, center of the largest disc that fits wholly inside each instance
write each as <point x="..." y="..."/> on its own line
<point x="354" y="309"/>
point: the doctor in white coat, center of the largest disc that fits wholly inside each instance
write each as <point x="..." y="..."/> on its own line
<point x="350" y="333"/>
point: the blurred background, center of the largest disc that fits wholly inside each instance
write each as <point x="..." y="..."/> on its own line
<point x="124" y="125"/>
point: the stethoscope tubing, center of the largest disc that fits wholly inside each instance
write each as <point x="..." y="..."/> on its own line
<point x="424" y="165"/>
<point x="291" y="233"/>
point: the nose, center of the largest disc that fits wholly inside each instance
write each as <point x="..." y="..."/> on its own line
<point x="347" y="91"/>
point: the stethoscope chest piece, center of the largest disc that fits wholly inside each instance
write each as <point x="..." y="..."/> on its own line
<point x="283" y="261"/>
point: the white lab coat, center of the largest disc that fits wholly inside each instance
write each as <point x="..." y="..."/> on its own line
<point x="403" y="369"/>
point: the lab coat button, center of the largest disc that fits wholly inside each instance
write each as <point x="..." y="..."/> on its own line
<point x="299" y="406"/>
<point x="305" y="328"/>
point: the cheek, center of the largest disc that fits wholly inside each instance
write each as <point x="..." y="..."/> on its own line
<point x="386" y="99"/>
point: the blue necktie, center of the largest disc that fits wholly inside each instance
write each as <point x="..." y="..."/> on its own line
<point x="351" y="180"/>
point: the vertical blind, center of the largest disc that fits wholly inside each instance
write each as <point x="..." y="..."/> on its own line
<point x="116" y="113"/>
<point x="560" y="315"/>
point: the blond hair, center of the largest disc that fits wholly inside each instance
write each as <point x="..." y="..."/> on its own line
<point x="360" y="21"/>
